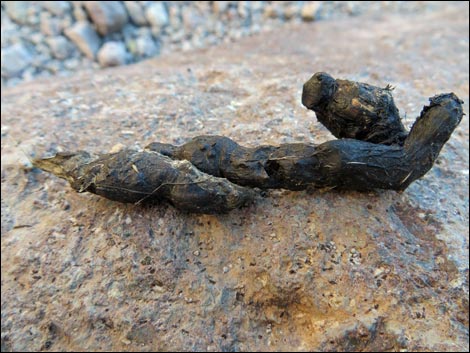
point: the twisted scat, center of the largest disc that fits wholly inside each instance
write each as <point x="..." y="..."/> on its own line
<point x="214" y="174"/>
<point x="145" y="176"/>
<point x="345" y="163"/>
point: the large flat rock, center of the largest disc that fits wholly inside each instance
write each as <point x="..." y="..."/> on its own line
<point x="296" y="270"/>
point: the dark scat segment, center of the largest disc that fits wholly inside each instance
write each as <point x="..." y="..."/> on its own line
<point x="358" y="165"/>
<point x="436" y="123"/>
<point x="131" y="176"/>
<point x="222" y="157"/>
<point x="290" y="166"/>
<point x="431" y="131"/>
<point x="293" y="166"/>
<point x="346" y="163"/>
<point x="202" y="175"/>
<point x="354" y="110"/>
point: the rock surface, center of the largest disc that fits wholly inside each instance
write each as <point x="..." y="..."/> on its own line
<point x="107" y="16"/>
<point x="157" y="15"/>
<point x="18" y="10"/>
<point x="295" y="271"/>
<point x="60" y="47"/>
<point x="15" y="59"/>
<point x="85" y="38"/>
<point x="136" y="13"/>
<point x="309" y="10"/>
<point x="145" y="46"/>
<point x="57" y="8"/>
<point x="112" y="54"/>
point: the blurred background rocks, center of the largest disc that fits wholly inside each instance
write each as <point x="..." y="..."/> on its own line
<point x="46" y="38"/>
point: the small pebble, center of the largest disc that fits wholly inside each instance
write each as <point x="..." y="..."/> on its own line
<point x="112" y="54"/>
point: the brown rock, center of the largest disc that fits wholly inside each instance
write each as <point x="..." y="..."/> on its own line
<point x="309" y="10"/>
<point x="136" y="13"/>
<point x="107" y="16"/>
<point x="295" y="271"/>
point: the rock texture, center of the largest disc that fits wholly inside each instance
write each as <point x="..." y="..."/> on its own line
<point x="173" y="26"/>
<point x="60" y="47"/>
<point x="15" y="59"/>
<point x="85" y="38"/>
<point x="157" y="15"/>
<point x="295" y="271"/>
<point x="108" y="16"/>
<point x="112" y="54"/>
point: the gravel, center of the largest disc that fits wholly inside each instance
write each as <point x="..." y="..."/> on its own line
<point x="18" y="11"/>
<point x="107" y="16"/>
<point x="157" y="15"/>
<point x="112" y="54"/>
<point x="60" y="47"/>
<point x="57" y="8"/>
<point x="15" y="59"/>
<point x="136" y="13"/>
<point x="38" y="33"/>
<point x="84" y="37"/>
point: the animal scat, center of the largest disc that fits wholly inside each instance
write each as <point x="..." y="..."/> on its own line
<point x="145" y="176"/>
<point x="354" y="110"/>
<point x="344" y="163"/>
<point x="208" y="174"/>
